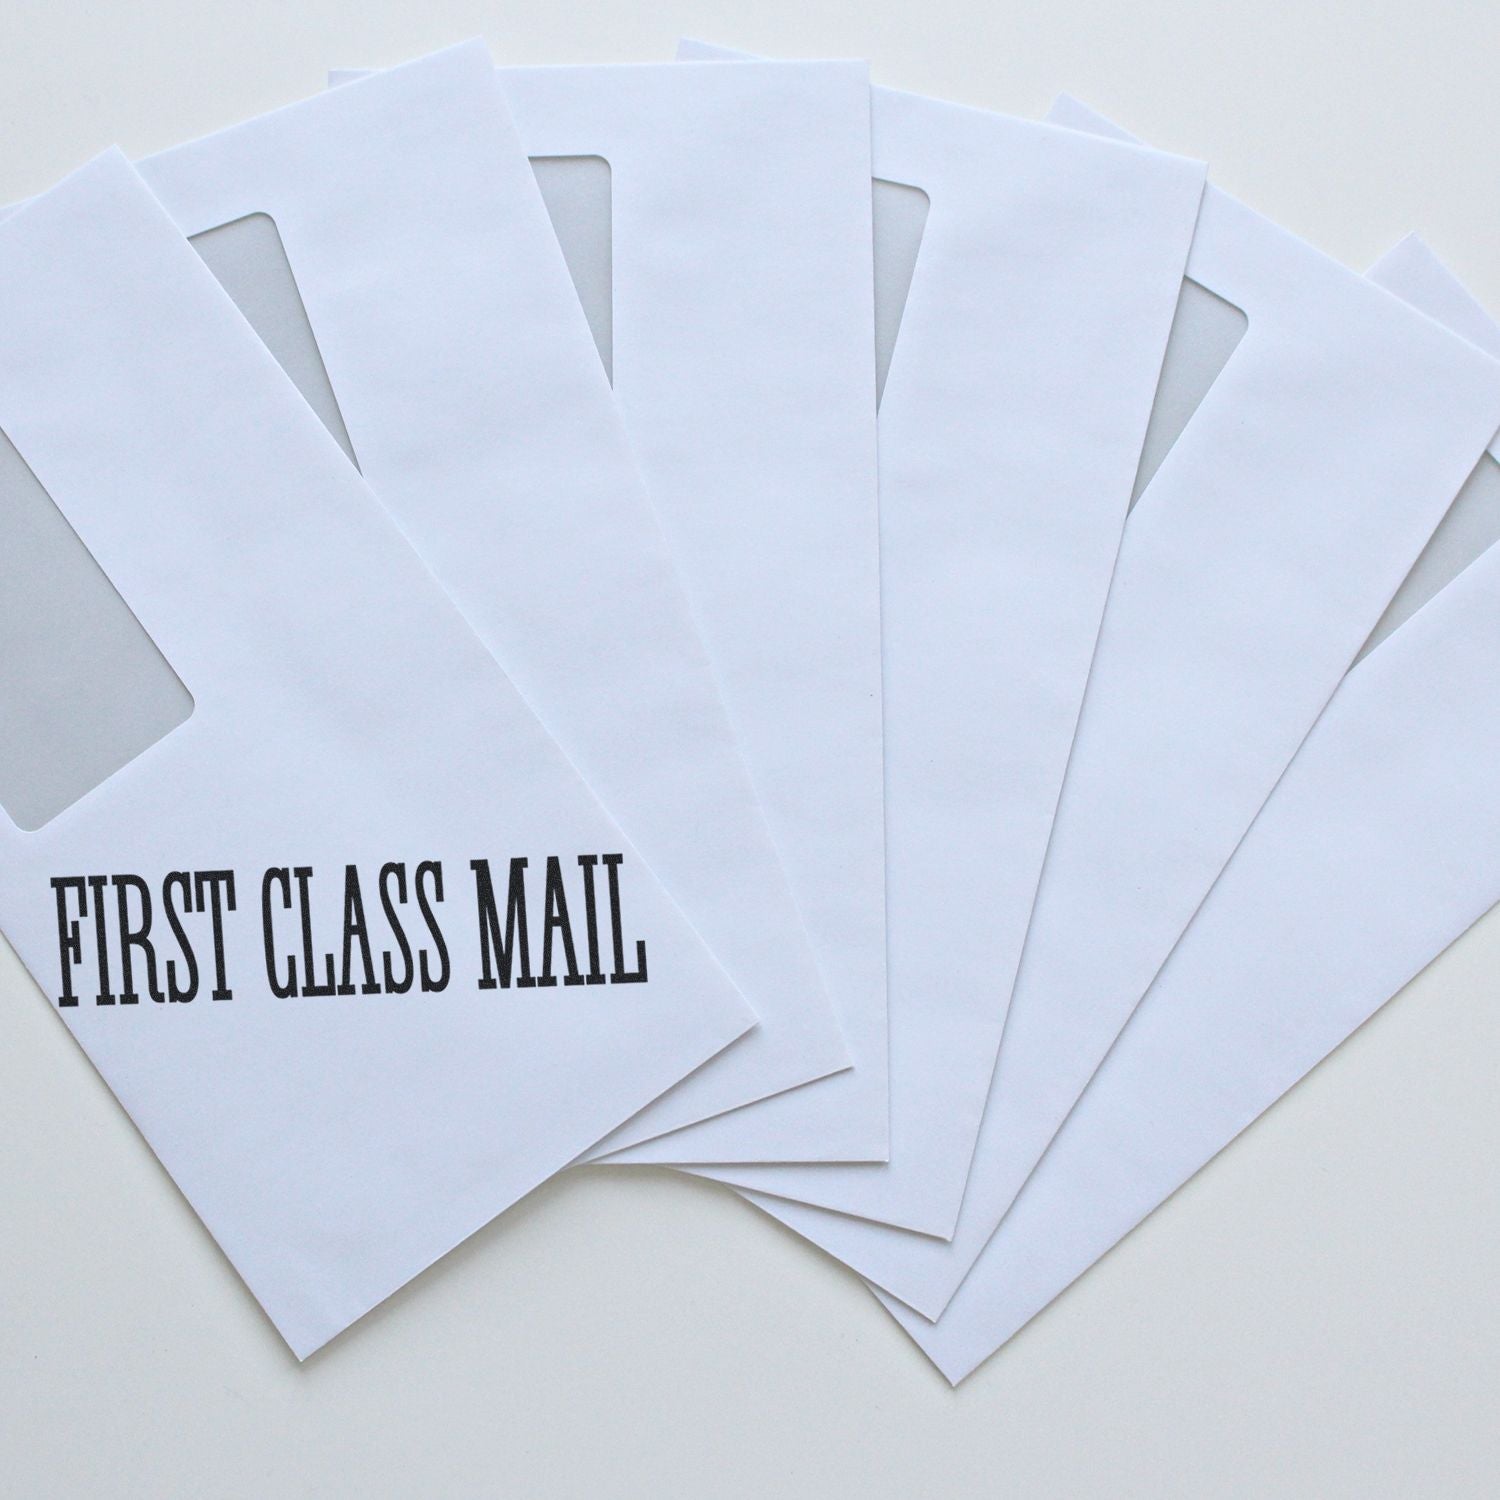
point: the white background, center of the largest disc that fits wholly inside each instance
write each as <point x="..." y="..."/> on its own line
<point x="1316" y="1315"/>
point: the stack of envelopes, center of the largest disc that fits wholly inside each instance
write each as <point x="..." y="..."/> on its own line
<point x="920" y="664"/>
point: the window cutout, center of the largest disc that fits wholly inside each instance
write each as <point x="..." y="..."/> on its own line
<point x="248" y="259"/>
<point x="1206" y="330"/>
<point x="900" y="217"/>
<point x="83" y="688"/>
<point x="1471" y="526"/>
<point x="576" y="190"/>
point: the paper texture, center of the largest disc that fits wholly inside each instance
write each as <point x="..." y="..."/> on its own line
<point x="1412" y="272"/>
<point x="473" y="399"/>
<point x="1044" y="288"/>
<point x="743" y="359"/>
<point x="1379" y="847"/>
<point x="1253" y="567"/>
<point x="1230" y="622"/>
<point x="336" y="1132"/>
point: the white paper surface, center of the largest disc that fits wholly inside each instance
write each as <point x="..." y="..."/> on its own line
<point x="1379" y="847"/>
<point x="1013" y="415"/>
<point x="1252" y="569"/>
<point x="743" y="356"/>
<point x="334" y="1144"/>
<point x="475" y="403"/>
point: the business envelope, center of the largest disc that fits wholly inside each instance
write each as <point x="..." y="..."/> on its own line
<point x="743" y="360"/>
<point x="1378" y="848"/>
<point x="1041" y="292"/>
<point x="461" y="375"/>
<point x="342" y="928"/>
<point x="1258" y="558"/>
<point x="1255" y="565"/>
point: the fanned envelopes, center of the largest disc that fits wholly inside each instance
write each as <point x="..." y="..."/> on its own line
<point x="1253" y="567"/>
<point x="1378" y="848"/>
<point x="743" y="360"/>
<point x="461" y="374"/>
<point x="289" y="932"/>
<point x="481" y="689"/>
<point x="1042" y="289"/>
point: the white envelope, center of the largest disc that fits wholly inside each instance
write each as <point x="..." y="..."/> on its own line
<point x="1378" y="848"/>
<point x="335" y="1131"/>
<point x="1257" y="560"/>
<point x="1010" y="429"/>
<point x="743" y="361"/>
<point x="461" y="370"/>
<point x="1412" y="272"/>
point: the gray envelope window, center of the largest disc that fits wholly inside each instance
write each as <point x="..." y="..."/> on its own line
<point x="249" y="262"/>
<point x="83" y="689"/>
<point x="900" y="217"/>
<point x="576" y="190"/>
<point x="1206" y="330"/>
<point x="1471" y="526"/>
